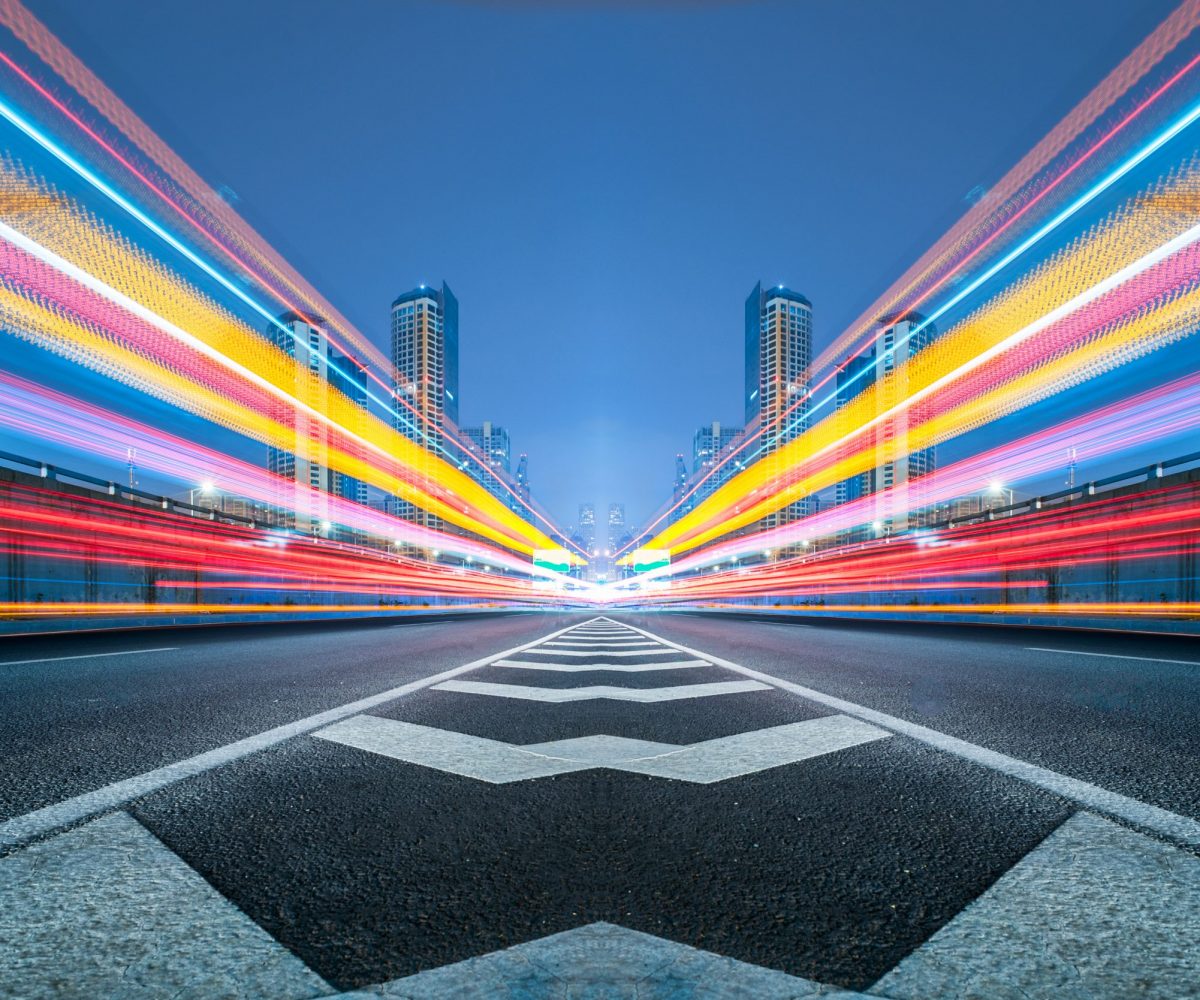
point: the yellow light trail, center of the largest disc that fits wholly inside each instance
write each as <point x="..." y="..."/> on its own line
<point x="1127" y="244"/>
<point x="84" y="250"/>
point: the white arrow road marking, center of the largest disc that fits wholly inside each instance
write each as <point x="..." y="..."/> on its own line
<point x="676" y="693"/>
<point x="701" y="763"/>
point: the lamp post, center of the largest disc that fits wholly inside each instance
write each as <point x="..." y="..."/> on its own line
<point x="1001" y="492"/>
<point x="205" y="489"/>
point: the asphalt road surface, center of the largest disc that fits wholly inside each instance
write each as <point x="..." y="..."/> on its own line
<point x="585" y="805"/>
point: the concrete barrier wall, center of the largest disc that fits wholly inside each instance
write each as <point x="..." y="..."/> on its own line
<point x="1068" y="593"/>
<point x="91" y="575"/>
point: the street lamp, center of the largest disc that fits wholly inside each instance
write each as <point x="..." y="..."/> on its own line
<point x="1001" y="491"/>
<point x="206" y="489"/>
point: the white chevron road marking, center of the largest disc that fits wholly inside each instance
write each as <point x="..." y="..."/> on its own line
<point x="625" y="668"/>
<point x="606" y="643"/>
<point x="658" y="651"/>
<point x="677" y="693"/>
<point x="700" y="763"/>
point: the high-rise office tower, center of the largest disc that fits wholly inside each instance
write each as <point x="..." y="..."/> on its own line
<point x="489" y="460"/>
<point x="319" y="372"/>
<point x="523" y="477"/>
<point x="778" y="351"/>
<point x="586" y="530"/>
<point x="492" y="442"/>
<point x="899" y="468"/>
<point x="712" y="445"/>
<point x="680" y="506"/>
<point x="618" y="530"/>
<point x="425" y="356"/>
<point x="854" y="375"/>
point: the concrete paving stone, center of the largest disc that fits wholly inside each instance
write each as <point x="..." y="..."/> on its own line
<point x="1095" y="912"/>
<point x="107" y="911"/>
<point x="602" y="962"/>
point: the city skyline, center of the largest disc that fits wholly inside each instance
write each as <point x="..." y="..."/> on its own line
<point x="714" y="228"/>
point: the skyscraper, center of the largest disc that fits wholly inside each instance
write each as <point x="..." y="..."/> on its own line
<point x="778" y="351"/>
<point x="898" y="468"/>
<point x="489" y="462"/>
<point x="523" y="477"/>
<point x="854" y="375"/>
<point x="711" y="444"/>
<point x="493" y="444"/>
<point x="425" y="357"/>
<point x="679" y="506"/>
<point x="425" y="354"/>
<point x="618" y="530"/>
<point x="586" y="531"/>
<point x="319" y="371"/>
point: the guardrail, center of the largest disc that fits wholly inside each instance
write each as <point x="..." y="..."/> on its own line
<point x="54" y="473"/>
<point x="1145" y="473"/>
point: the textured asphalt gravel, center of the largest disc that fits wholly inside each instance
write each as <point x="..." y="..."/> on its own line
<point x="1129" y="725"/>
<point x="73" y="725"/>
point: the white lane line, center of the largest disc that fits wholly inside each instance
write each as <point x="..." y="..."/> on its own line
<point x="556" y="695"/>
<point x="624" y="668"/>
<point x="89" y="656"/>
<point x="1180" y="828"/>
<point x="41" y="821"/>
<point x="1110" y="656"/>
<point x="605" y="652"/>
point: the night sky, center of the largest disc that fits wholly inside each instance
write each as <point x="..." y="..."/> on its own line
<point x="601" y="184"/>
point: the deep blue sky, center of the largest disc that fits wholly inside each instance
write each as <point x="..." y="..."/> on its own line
<point x="602" y="184"/>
